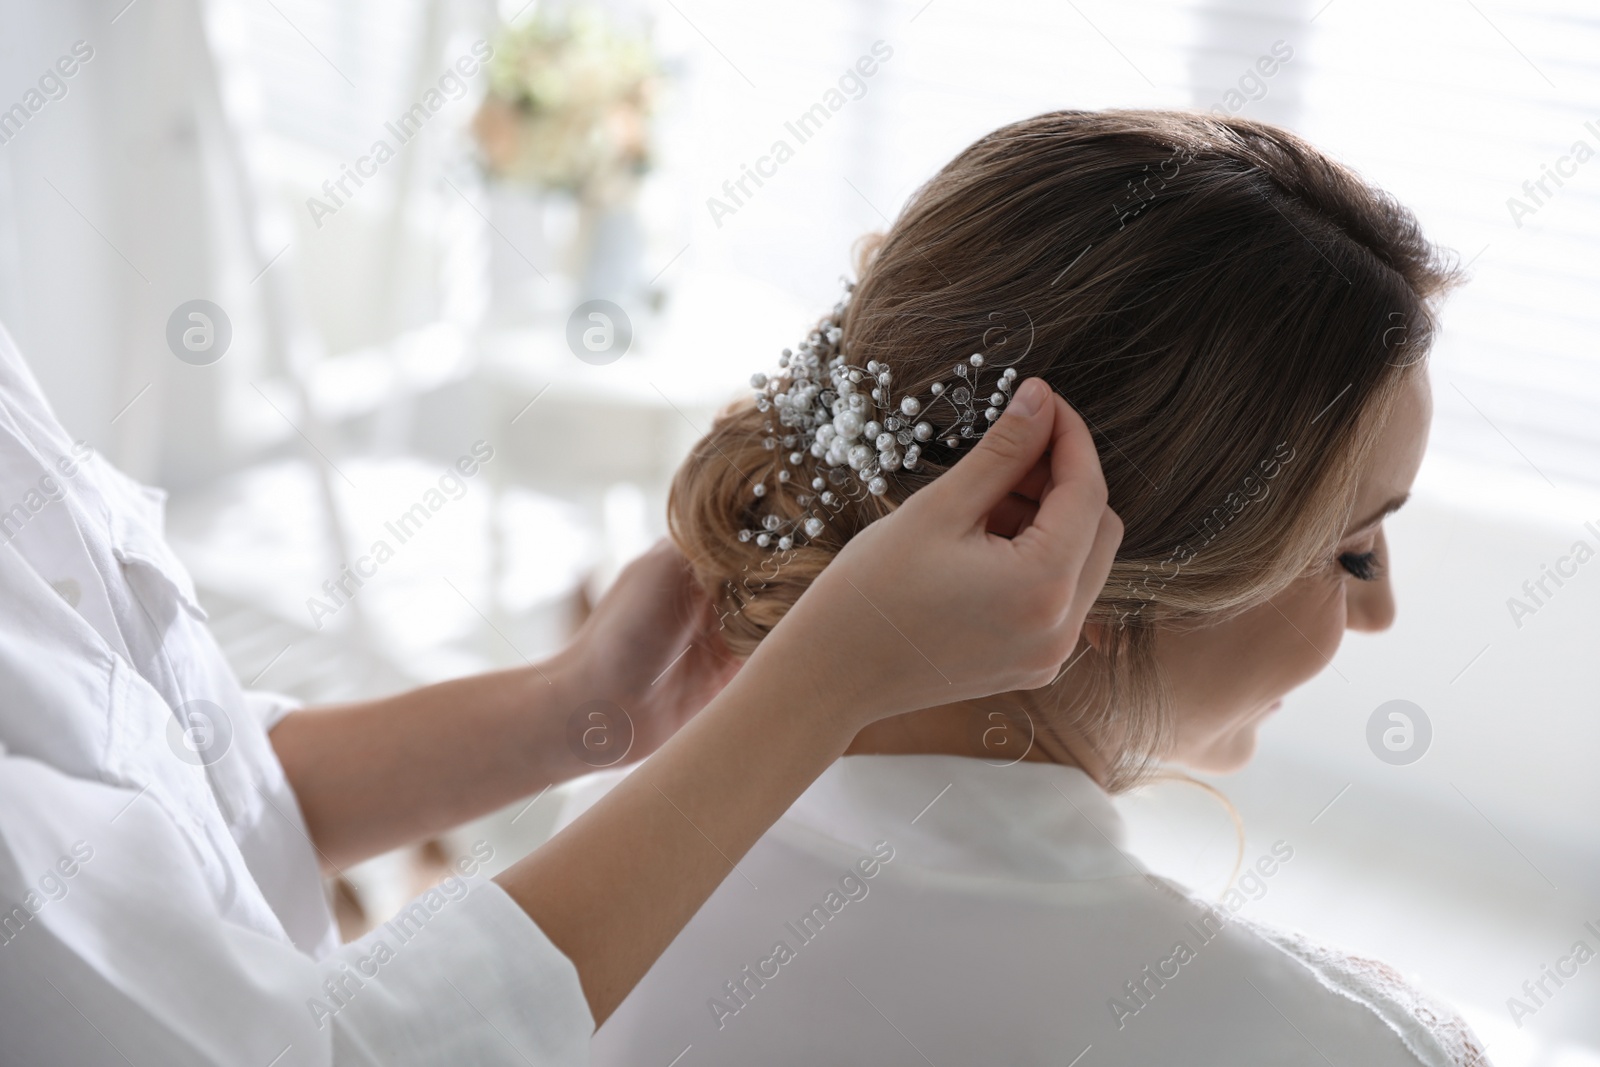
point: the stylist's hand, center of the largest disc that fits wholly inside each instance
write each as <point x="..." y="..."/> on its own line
<point x="927" y="606"/>
<point x="924" y="607"/>
<point x="652" y="647"/>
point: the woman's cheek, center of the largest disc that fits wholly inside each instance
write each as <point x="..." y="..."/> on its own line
<point x="1314" y="617"/>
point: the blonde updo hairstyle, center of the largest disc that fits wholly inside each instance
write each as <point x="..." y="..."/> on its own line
<point x="1232" y="313"/>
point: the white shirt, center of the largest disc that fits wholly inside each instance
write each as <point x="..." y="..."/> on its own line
<point x="160" y="900"/>
<point x="937" y="910"/>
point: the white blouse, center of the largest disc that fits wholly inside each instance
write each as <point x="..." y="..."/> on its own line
<point x="937" y="910"/>
<point x="160" y="900"/>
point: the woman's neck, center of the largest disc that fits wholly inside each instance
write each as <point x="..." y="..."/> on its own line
<point x="998" y="730"/>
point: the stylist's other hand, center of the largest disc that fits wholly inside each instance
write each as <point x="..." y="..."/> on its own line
<point x="651" y="646"/>
<point x="929" y="605"/>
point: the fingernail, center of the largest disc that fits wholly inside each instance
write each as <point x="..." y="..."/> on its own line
<point x="1030" y="398"/>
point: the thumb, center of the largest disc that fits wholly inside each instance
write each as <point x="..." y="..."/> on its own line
<point x="1002" y="458"/>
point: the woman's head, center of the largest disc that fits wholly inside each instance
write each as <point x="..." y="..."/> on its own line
<point x="1241" y="323"/>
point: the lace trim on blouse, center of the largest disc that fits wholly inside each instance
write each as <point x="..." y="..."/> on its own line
<point x="1435" y="1034"/>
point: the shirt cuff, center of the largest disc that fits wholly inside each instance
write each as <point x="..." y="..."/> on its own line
<point x="460" y="975"/>
<point x="269" y="708"/>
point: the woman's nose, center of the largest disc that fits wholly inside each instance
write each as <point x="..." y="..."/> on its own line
<point x="1369" y="606"/>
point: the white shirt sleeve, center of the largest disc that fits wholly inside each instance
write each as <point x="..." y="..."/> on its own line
<point x="269" y="709"/>
<point x="112" y="951"/>
<point x="156" y="874"/>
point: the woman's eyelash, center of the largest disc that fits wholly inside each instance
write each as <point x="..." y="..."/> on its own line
<point x="1361" y="565"/>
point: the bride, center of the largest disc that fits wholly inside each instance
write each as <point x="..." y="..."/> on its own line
<point x="1242" y="322"/>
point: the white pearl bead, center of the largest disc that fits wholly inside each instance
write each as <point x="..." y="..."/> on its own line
<point x="860" y="456"/>
<point x="992" y="414"/>
<point x="758" y="380"/>
<point x="997" y="399"/>
<point x="818" y="483"/>
<point x="913" y="453"/>
<point x="786" y="543"/>
<point x="847" y="424"/>
<point x="938" y="387"/>
<point x="923" y="431"/>
<point x="976" y="359"/>
<point x="813" y="527"/>
<point x="910" y="405"/>
<point x="884" y="441"/>
<point x="763" y="540"/>
<point x="878" y="486"/>
<point x="783" y="476"/>
<point x="761" y="490"/>
<point x="828" y="497"/>
<point x="871" y="430"/>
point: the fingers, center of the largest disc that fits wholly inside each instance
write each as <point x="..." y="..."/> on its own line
<point x="1035" y="482"/>
<point x="1002" y="458"/>
<point x="1068" y="523"/>
<point x="1096" y="566"/>
<point x="1011" y="516"/>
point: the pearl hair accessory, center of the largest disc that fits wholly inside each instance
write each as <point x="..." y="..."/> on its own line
<point x="846" y="420"/>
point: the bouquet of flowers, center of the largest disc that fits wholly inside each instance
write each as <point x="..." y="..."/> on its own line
<point x="568" y="107"/>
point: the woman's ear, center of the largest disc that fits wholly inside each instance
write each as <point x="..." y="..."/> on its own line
<point x="1096" y="634"/>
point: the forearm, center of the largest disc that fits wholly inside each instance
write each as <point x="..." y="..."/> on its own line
<point x="613" y="889"/>
<point x="375" y="775"/>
